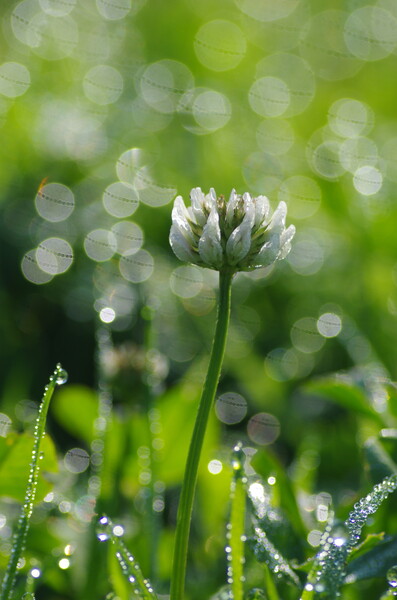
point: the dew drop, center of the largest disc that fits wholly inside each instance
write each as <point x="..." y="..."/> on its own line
<point x="35" y="573"/>
<point x="340" y="536"/>
<point x="319" y="587"/>
<point x="309" y="587"/>
<point x="61" y="376"/>
<point x="392" y="576"/>
<point x="104" y="529"/>
<point x="118" y="530"/>
<point x="237" y="457"/>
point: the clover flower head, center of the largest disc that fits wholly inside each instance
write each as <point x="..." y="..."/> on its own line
<point x="240" y="234"/>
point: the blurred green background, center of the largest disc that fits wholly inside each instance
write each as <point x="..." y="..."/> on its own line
<point x="108" y="110"/>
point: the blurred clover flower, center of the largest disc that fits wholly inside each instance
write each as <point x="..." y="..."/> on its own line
<point x="239" y="235"/>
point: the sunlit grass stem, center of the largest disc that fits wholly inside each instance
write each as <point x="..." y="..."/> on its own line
<point x="193" y="459"/>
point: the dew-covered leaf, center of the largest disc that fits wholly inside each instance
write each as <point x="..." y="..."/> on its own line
<point x="329" y="569"/>
<point x="266" y="552"/>
<point x="272" y="520"/>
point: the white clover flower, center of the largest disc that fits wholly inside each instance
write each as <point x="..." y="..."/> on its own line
<point x="239" y="235"/>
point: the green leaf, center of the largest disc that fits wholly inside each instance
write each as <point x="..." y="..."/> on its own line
<point x="373" y="563"/>
<point x="346" y="395"/>
<point x="379" y="462"/>
<point x="14" y="468"/>
<point x="370" y="542"/>
<point x="76" y="408"/>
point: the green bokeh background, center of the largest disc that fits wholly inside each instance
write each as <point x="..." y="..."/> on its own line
<point x="292" y="64"/>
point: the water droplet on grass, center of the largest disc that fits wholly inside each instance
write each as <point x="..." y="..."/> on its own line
<point x="237" y="457"/>
<point x="103" y="530"/>
<point x="35" y="573"/>
<point x="62" y="377"/>
<point x="392" y="576"/>
<point x="319" y="587"/>
<point x="340" y="536"/>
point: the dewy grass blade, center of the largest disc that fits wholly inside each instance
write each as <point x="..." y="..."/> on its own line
<point x="329" y="570"/>
<point x="57" y="378"/>
<point x="266" y="552"/>
<point x="141" y="587"/>
<point x="235" y="534"/>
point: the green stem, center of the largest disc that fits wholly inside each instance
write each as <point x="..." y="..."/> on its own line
<point x="190" y="478"/>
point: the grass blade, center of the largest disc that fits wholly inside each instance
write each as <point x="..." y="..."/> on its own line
<point x="236" y="527"/>
<point x="266" y="552"/>
<point x="329" y="570"/>
<point x="57" y="378"/>
<point x="129" y="566"/>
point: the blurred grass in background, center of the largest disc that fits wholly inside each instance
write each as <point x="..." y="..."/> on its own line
<point x="108" y="110"/>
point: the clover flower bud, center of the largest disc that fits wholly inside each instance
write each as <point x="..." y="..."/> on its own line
<point x="238" y="235"/>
